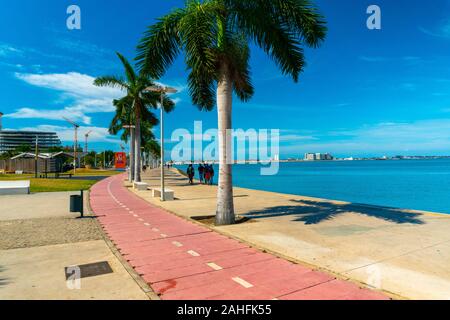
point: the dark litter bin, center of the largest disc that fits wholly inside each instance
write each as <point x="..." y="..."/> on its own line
<point x="76" y="203"/>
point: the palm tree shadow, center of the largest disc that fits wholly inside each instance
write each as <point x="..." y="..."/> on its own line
<point x="314" y="212"/>
<point x="3" y="281"/>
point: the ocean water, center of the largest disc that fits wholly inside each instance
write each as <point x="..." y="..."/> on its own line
<point x="408" y="184"/>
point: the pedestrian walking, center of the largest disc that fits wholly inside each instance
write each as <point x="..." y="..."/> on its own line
<point x="201" y="173"/>
<point x="211" y="170"/>
<point x="191" y="174"/>
<point x="207" y="174"/>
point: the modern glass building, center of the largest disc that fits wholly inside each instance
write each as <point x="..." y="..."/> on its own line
<point x="11" y="139"/>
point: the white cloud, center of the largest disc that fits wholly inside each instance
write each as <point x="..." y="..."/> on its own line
<point x="86" y="48"/>
<point x="66" y="134"/>
<point x="442" y="30"/>
<point x="7" y="50"/>
<point x="84" y="97"/>
<point x="28" y="113"/>
<point x="419" y="137"/>
<point x="373" y="59"/>
<point x="295" y="137"/>
<point x="73" y="83"/>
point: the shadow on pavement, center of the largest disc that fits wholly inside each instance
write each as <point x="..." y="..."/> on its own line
<point x="314" y="212"/>
<point x="3" y="281"/>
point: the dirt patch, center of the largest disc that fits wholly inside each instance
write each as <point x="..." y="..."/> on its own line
<point x="210" y="220"/>
<point x="47" y="231"/>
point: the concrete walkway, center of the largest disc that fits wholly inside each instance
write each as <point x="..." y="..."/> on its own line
<point x="185" y="261"/>
<point x="380" y="247"/>
<point x="39" y="238"/>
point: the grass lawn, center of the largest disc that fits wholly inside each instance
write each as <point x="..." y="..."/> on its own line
<point x="95" y="172"/>
<point x="50" y="185"/>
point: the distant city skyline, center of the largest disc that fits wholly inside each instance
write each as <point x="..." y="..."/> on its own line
<point x="363" y="93"/>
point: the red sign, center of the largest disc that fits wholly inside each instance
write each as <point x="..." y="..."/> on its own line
<point x="120" y="160"/>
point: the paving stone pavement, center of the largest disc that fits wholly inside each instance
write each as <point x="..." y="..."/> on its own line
<point x="181" y="260"/>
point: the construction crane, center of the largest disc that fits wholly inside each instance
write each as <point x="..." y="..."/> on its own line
<point x="76" y="126"/>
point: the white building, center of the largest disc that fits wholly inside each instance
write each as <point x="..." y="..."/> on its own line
<point x="318" y="157"/>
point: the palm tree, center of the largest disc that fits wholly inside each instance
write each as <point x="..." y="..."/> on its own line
<point x="153" y="148"/>
<point x="138" y="100"/>
<point x="215" y="36"/>
<point x="124" y="116"/>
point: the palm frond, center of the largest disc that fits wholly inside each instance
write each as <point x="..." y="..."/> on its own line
<point x="199" y="30"/>
<point x="303" y="18"/>
<point x="280" y="28"/>
<point x="160" y="45"/>
<point x="111" y="81"/>
<point x="237" y="56"/>
<point x="129" y="71"/>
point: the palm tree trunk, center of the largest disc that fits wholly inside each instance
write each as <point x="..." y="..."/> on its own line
<point x="225" y="206"/>
<point x="137" y="157"/>
<point x="131" y="165"/>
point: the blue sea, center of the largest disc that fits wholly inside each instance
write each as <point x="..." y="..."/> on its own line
<point x="408" y="184"/>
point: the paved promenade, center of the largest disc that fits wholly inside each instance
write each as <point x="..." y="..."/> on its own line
<point x="186" y="261"/>
<point x="381" y="247"/>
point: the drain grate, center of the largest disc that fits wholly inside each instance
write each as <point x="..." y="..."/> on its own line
<point x="89" y="270"/>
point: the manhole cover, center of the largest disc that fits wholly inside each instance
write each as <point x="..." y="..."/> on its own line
<point x="89" y="270"/>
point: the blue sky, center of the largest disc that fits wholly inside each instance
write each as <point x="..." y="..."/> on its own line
<point x="363" y="93"/>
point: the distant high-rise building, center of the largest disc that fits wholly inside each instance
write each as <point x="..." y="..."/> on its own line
<point x="310" y="156"/>
<point x="10" y="140"/>
<point x="318" y="157"/>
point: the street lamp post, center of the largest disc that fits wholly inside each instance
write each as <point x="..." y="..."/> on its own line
<point x="86" y="136"/>
<point x="131" y="159"/>
<point x="76" y="126"/>
<point x="36" y="158"/>
<point x="162" y="91"/>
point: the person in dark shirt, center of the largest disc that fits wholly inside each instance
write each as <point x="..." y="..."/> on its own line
<point x="207" y="174"/>
<point x="191" y="173"/>
<point x="211" y="171"/>
<point x="201" y="172"/>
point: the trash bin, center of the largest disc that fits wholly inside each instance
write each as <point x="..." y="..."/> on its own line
<point x="76" y="203"/>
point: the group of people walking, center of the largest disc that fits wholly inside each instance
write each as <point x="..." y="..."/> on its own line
<point x="205" y="172"/>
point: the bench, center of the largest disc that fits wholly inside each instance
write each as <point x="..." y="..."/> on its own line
<point x="14" y="187"/>
<point x="140" y="186"/>
<point x="169" y="195"/>
<point x="60" y="175"/>
<point x="19" y="172"/>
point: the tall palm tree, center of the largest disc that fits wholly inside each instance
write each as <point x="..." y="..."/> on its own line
<point x="124" y="116"/>
<point x="135" y="85"/>
<point x="215" y="36"/>
<point x="153" y="148"/>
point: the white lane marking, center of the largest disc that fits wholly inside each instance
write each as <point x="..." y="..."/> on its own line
<point x="177" y="244"/>
<point x="155" y="230"/>
<point x="131" y="212"/>
<point x="242" y="282"/>
<point x="163" y="235"/>
<point x="141" y="220"/>
<point x="193" y="253"/>
<point x="147" y="224"/>
<point x="135" y="215"/>
<point x="214" y="266"/>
